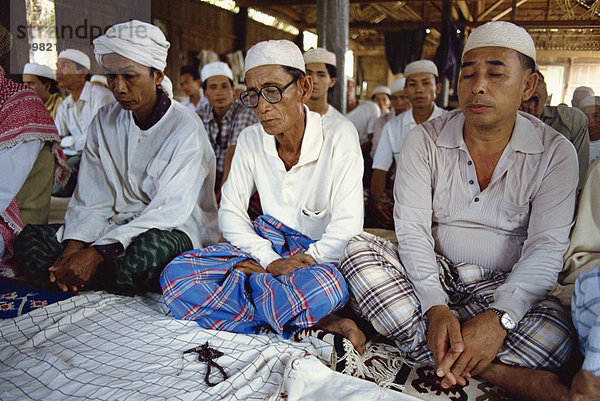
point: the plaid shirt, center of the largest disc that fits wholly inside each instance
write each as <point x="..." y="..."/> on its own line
<point x="585" y="310"/>
<point x="235" y="120"/>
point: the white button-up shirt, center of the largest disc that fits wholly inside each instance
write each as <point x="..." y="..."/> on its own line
<point x="334" y="113"/>
<point x="519" y="224"/>
<point x="74" y="117"/>
<point x="321" y="196"/>
<point x="132" y="180"/>
<point x="363" y="117"/>
<point x="393" y="134"/>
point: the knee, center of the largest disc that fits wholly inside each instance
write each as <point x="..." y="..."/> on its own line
<point x="331" y="281"/>
<point x="587" y="286"/>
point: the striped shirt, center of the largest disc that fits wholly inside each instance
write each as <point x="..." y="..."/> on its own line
<point x="585" y="310"/>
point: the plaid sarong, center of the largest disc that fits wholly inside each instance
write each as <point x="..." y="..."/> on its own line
<point x="586" y="318"/>
<point x="382" y="294"/>
<point x="202" y="285"/>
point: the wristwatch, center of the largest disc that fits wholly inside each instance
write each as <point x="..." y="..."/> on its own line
<point x="506" y="321"/>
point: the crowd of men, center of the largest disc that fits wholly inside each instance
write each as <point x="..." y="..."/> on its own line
<point x="482" y="204"/>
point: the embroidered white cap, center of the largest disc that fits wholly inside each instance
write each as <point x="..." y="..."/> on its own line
<point x="215" y="69"/>
<point x="398" y="85"/>
<point x="418" y="66"/>
<point x="274" y="52"/>
<point x="501" y="34"/>
<point x="319" y="55"/>
<point x="381" y="90"/>
<point x="99" y="78"/>
<point x="77" y="56"/>
<point x="39" y="70"/>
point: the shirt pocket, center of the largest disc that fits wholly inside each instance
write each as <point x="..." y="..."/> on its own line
<point x="154" y="171"/>
<point x="314" y="222"/>
<point x="514" y="217"/>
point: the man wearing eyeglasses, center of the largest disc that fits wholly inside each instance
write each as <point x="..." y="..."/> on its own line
<point x="280" y="271"/>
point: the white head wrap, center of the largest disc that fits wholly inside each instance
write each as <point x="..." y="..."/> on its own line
<point x="39" y="70"/>
<point x="77" y="56"/>
<point x="589" y="101"/>
<point x="167" y="85"/>
<point x="398" y="85"/>
<point x="418" y="66"/>
<point x="319" y="55"/>
<point x="501" y="34"/>
<point x="274" y="52"/>
<point x="381" y="90"/>
<point x="215" y="69"/>
<point x="138" y="41"/>
<point x="99" y="78"/>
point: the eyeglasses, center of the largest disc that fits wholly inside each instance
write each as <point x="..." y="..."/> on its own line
<point x="271" y="94"/>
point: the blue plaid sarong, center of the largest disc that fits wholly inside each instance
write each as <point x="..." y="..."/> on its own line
<point x="585" y="311"/>
<point x="202" y="285"/>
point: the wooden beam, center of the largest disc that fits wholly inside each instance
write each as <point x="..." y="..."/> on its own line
<point x="400" y="25"/>
<point x="509" y="9"/>
<point x="489" y="10"/>
<point x="464" y="9"/>
<point x="270" y="3"/>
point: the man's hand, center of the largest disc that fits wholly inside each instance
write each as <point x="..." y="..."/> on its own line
<point x="383" y="214"/>
<point x="444" y="339"/>
<point x="75" y="269"/>
<point x="483" y="336"/>
<point x="284" y="266"/>
<point x="585" y="387"/>
<point x="73" y="246"/>
<point x="249" y="266"/>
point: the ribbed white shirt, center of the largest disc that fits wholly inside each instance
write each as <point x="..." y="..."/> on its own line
<point x="519" y="224"/>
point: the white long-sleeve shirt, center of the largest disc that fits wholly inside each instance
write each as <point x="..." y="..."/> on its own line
<point x="133" y="180"/>
<point x="393" y="134"/>
<point x="321" y="196"/>
<point x="74" y="117"/>
<point x="519" y="224"/>
<point x="363" y="117"/>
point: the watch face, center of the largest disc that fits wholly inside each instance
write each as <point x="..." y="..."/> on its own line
<point x="507" y="322"/>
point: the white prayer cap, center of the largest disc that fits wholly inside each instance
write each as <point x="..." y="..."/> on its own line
<point x="583" y="89"/>
<point x="319" y="55"/>
<point x="381" y="90"/>
<point x="501" y="34"/>
<point x="398" y="85"/>
<point x="418" y="66"/>
<point x="274" y="52"/>
<point x="99" y="78"/>
<point x="167" y="85"/>
<point x="39" y="70"/>
<point x="77" y="56"/>
<point x="590" y="101"/>
<point x="214" y="69"/>
<point x="138" y="41"/>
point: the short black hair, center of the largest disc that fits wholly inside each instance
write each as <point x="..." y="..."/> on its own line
<point x="527" y="62"/>
<point x="332" y="70"/>
<point x="44" y="80"/>
<point x="79" y="67"/>
<point x="294" y="72"/>
<point x="205" y="85"/>
<point x="540" y="75"/>
<point x="190" y="69"/>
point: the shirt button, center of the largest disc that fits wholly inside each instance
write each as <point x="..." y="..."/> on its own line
<point x="471" y="182"/>
<point x="476" y="199"/>
<point x="469" y="162"/>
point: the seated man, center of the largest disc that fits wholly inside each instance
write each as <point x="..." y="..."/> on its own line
<point x="422" y="86"/>
<point x="281" y="271"/>
<point x="190" y="82"/>
<point x="223" y="116"/>
<point x="145" y="192"/>
<point x="321" y="66"/>
<point x="42" y="80"/>
<point x="591" y="107"/>
<point x="569" y="121"/>
<point x="477" y="250"/>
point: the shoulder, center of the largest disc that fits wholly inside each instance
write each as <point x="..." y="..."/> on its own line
<point x="101" y="94"/>
<point x="341" y="132"/>
<point x="552" y="141"/>
<point x="571" y="115"/>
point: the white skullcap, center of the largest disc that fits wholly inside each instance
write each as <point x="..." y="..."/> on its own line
<point x="99" y="78"/>
<point x="167" y="85"/>
<point x="319" y="55"/>
<point x="379" y="90"/>
<point x="138" y="41"/>
<point x="77" y="56"/>
<point x="501" y="34"/>
<point x="39" y="70"/>
<point x="214" y="69"/>
<point x="274" y="52"/>
<point x="589" y="101"/>
<point x="398" y="85"/>
<point x="418" y="66"/>
<point x="584" y="89"/>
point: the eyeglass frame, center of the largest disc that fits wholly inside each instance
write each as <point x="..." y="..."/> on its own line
<point x="260" y="93"/>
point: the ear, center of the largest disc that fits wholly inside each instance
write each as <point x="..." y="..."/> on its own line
<point x="306" y="85"/>
<point x="333" y="81"/>
<point x="438" y="88"/>
<point x="48" y="85"/>
<point x="529" y="85"/>
<point x="158" y="77"/>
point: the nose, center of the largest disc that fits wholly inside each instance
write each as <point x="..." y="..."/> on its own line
<point x="263" y="106"/>
<point x="118" y="85"/>
<point x="479" y="85"/>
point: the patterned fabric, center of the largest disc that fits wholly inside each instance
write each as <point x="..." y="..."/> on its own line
<point x="17" y="298"/>
<point x="235" y="120"/>
<point x="586" y="318"/>
<point x="202" y="285"/>
<point x="382" y="294"/>
<point x="136" y="271"/>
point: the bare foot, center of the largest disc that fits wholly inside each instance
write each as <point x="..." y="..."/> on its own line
<point x="585" y="387"/>
<point x="344" y="327"/>
<point x="528" y="384"/>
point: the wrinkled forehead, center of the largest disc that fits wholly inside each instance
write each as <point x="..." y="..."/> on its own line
<point x="269" y="74"/>
<point x="491" y="55"/>
<point x="114" y="62"/>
